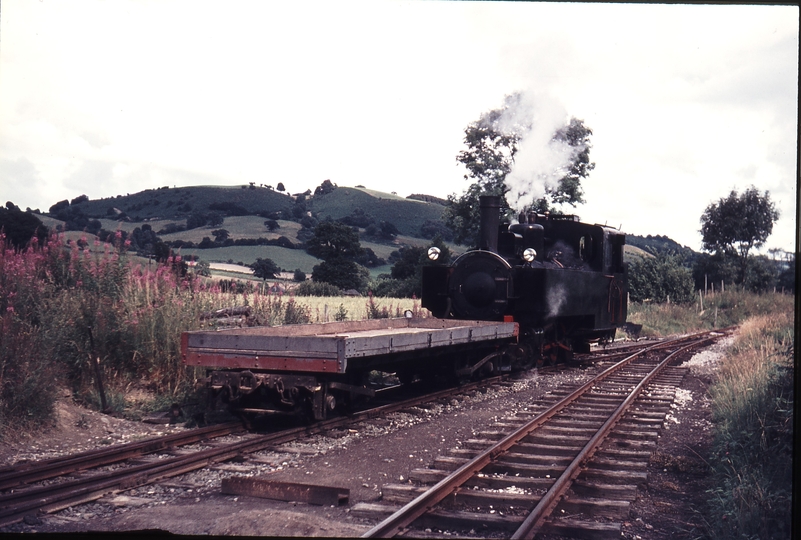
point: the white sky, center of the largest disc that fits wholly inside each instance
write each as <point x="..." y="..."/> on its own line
<point x="686" y="102"/>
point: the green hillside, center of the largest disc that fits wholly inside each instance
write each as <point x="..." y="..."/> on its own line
<point x="237" y="227"/>
<point x="178" y="203"/>
<point x="406" y="214"/>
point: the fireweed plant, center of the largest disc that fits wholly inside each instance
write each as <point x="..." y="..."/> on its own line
<point x="70" y="313"/>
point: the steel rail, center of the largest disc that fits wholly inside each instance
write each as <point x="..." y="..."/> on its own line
<point x="34" y="471"/>
<point x="14" y="507"/>
<point x="406" y="515"/>
<point x="533" y="522"/>
<point x="401" y="519"/>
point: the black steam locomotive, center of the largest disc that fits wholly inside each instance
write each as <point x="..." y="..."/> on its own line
<point x="534" y="292"/>
<point x="563" y="281"/>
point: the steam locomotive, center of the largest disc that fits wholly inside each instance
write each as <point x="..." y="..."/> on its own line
<point x="563" y="281"/>
<point x="534" y="292"/>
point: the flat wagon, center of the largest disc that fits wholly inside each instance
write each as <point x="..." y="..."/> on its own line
<point x="315" y="368"/>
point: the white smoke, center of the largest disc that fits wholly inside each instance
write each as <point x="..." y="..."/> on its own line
<point x="555" y="299"/>
<point x="540" y="161"/>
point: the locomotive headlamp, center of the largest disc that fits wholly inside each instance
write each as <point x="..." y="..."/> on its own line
<point x="433" y="253"/>
<point x="529" y="254"/>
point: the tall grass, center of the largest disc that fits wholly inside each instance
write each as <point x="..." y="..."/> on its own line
<point x="752" y="459"/>
<point x="752" y="403"/>
<point x="720" y="310"/>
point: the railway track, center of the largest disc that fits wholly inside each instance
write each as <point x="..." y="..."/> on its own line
<point x="568" y="466"/>
<point x="32" y="488"/>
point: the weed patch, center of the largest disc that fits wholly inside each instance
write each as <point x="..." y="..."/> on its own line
<point x="752" y="457"/>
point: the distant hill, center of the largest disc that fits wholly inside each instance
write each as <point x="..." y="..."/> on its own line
<point x="179" y="203"/>
<point x="661" y="245"/>
<point x="406" y="214"/>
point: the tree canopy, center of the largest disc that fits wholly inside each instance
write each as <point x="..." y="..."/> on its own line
<point x="334" y="240"/>
<point x="658" y="278"/>
<point x="492" y="142"/>
<point x="734" y="226"/>
<point x="19" y="227"/>
<point x="265" y="268"/>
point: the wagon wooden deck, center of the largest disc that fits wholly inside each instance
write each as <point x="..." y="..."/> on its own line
<point x="328" y="347"/>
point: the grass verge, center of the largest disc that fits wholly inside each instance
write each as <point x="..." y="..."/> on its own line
<point x="753" y="415"/>
<point x="720" y="310"/>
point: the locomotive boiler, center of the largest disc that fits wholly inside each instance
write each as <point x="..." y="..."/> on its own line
<point x="563" y="281"/>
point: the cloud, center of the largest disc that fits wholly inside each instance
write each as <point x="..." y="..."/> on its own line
<point x="21" y="176"/>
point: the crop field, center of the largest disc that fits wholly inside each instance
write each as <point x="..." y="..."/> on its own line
<point x="289" y="259"/>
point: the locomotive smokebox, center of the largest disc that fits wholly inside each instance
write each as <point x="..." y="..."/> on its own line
<point x="490" y="206"/>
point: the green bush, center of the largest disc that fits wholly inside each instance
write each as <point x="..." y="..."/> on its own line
<point x="317" y="288"/>
<point x="659" y="278"/>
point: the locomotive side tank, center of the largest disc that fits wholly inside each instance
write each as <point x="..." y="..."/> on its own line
<point x="563" y="281"/>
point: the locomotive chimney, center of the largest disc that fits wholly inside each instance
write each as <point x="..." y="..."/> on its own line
<point x="490" y="206"/>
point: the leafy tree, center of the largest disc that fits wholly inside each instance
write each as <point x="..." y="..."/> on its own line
<point x="492" y="143"/>
<point x="264" y="268"/>
<point x="19" y="227"/>
<point x="710" y="269"/>
<point x="410" y="260"/>
<point x="272" y="225"/>
<point x="333" y="240"/>
<point x="280" y="187"/>
<point x="369" y="259"/>
<point x="433" y="228"/>
<point x="737" y="224"/>
<point x="203" y="268"/>
<point x="761" y="275"/>
<point x="299" y="275"/>
<point x="388" y="230"/>
<point x="786" y="279"/>
<point x="325" y="188"/>
<point x="659" y="277"/>
<point x="195" y="220"/>
<point x="358" y="218"/>
<point x="406" y="275"/>
<point x="60" y="205"/>
<point x="214" y="219"/>
<point x="342" y="273"/>
<point x="220" y="235"/>
<point x="338" y="246"/>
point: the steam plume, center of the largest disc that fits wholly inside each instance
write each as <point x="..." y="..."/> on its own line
<point x="540" y="160"/>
